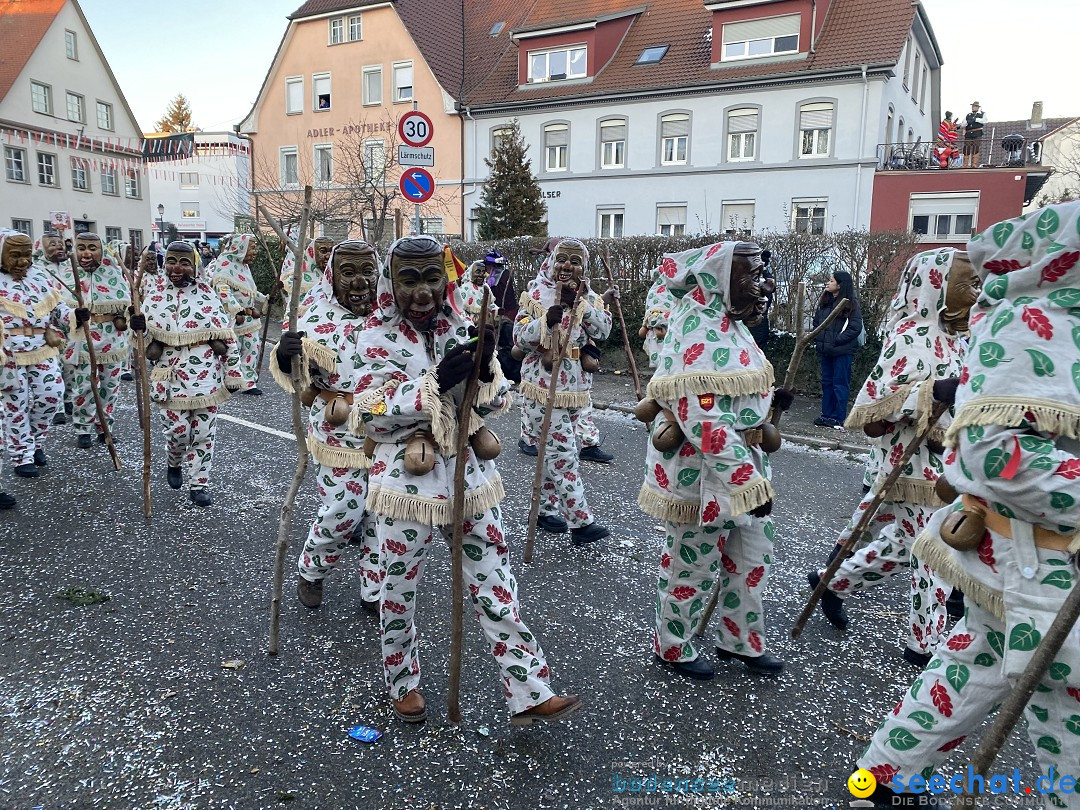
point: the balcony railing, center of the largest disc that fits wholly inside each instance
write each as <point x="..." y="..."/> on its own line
<point x="1011" y="151"/>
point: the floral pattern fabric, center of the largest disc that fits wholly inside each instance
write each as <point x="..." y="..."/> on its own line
<point x="236" y="286"/>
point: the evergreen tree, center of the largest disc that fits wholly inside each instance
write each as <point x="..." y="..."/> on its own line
<point x="511" y="201"/>
<point x="177" y="118"/>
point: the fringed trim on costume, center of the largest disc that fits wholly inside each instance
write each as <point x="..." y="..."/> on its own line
<point x="109" y="307"/>
<point x="118" y="356"/>
<point x="16" y="309"/>
<point x="188" y="338"/>
<point x="434" y="511"/>
<point x="914" y="490"/>
<point x="664" y="507"/>
<point x="1052" y="417"/>
<point x="322" y="356"/>
<point x="933" y="552"/>
<point x="751" y="496"/>
<point x="885" y="407"/>
<point x="441" y="412"/>
<point x="337" y="456"/>
<point x="364" y="402"/>
<point x="47" y="304"/>
<point x="228" y="281"/>
<point x="163" y="374"/>
<point x="534" y="309"/>
<point x="563" y="399"/>
<point x="195" y="403"/>
<point x="35" y="356"/>
<point x="924" y="403"/>
<point x="252" y="326"/>
<point x="735" y="384"/>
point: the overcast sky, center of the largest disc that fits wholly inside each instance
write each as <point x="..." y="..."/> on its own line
<point x="1003" y="53"/>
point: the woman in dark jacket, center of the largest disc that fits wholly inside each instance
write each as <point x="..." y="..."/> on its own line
<point x="836" y="348"/>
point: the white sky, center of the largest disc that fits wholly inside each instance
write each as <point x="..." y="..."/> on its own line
<point x="1003" y="53"/>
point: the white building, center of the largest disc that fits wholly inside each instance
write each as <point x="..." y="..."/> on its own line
<point x="202" y="189"/>
<point x="69" y="139"/>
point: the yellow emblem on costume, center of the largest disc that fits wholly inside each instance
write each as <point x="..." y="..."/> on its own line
<point x="524" y="319"/>
<point x="378" y="409"/>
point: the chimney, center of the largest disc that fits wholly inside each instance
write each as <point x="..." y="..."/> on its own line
<point x="1036" y="115"/>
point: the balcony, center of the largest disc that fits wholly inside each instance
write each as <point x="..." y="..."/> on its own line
<point x="1010" y="152"/>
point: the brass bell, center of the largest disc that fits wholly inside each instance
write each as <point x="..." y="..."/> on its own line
<point x="875" y="430"/>
<point x="642" y="332"/>
<point x="668" y="436"/>
<point x="219" y="347"/>
<point x="308" y="395"/>
<point x="53" y="338"/>
<point x="485" y="444"/>
<point x="369" y="447"/>
<point x="120" y="322"/>
<point x="517" y="353"/>
<point x="647" y="410"/>
<point x="589" y="363"/>
<point x="547" y="358"/>
<point x="420" y="453"/>
<point x="155" y="350"/>
<point x="770" y="438"/>
<point x="963" y="530"/>
<point x="337" y="411"/>
<point x="944" y="490"/>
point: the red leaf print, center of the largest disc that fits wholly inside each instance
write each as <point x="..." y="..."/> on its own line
<point x="324" y="328"/>
<point x="905" y="326"/>
<point x="744" y="357"/>
<point x="1072" y="690"/>
<point x="673" y="653"/>
<point x="355" y="487"/>
<point x="394" y="607"/>
<point x="841" y="585"/>
<point x="499" y="650"/>
<point x="899" y="366"/>
<point x="754" y="640"/>
<point x="668" y="268"/>
<point x="728" y="563"/>
<point x="376" y="351"/>
<point x="939" y="349"/>
<point x="692" y="354"/>
<point x="871" y="390"/>
<point x="960" y="641"/>
<point x="386" y="300"/>
<point x="718" y="440"/>
<point x="682" y="408"/>
<point x="395" y="547"/>
<point x="753" y="577"/>
<point x="942" y="701"/>
<point x="1038" y="323"/>
<point x="725" y="324"/>
<point x="377" y="468"/>
<point x="687" y="449"/>
<point x="502" y="594"/>
<point x="683" y="592"/>
<point x="665" y="560"/>
<point x="698" y="295"/>
<point x="742" y="475"/>
<point x="896" y="453"/>
<point x="493" y="533"/>
<point x="1000" y="267"/>
<point x="951" y="744"/>
<point x="711" y="511"/>
<point x="965" y="375"/>
<point x="1056" y="269"/>
<point x="908" y="528"/>
<point x="935" y="278"/>
<point x="732" y="627"/>
<point x="661" y="477"/>
<point x="713" y="249"/>
<point x="1069" y="469"/>
<point x="884" y="773"/>
<point x="986" y="552"/>
<point x="395" y="659"/>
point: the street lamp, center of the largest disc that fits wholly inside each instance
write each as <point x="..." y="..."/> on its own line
<point x="161" y="222"/>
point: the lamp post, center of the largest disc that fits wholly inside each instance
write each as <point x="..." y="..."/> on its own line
<point x="161" y="223"/>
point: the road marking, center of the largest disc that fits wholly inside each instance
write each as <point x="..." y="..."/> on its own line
<point x="256" y="426"/>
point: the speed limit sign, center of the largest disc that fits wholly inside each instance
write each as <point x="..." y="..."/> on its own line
<point x="415" y="128"/>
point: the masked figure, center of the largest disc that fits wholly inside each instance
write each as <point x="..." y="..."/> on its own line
<point x="1009" y="535"/>
<point x="35" y="319"/>
<point x="316" y="255"/>
<point x="231" y="275"/>
<point x="7" y="500"/>
<point x="470" y="291"/>
<point x="414" y="361"/>
<point x="123" y="255"/>
<point x="707" y="465"/>
<point x="501" y="281"/>
<point x="324" y="342"/>
<point x="585" y="315"/>
<point x="50" y="255"/>
<point x="658" y="304"/>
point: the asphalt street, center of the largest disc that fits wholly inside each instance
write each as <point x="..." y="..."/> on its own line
<point x="164" y="697"/>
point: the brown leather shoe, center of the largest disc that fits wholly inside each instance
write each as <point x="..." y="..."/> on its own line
<point x="552" y="710"/>
<point x="411" y="708"/>
<point x="309" y="593"/>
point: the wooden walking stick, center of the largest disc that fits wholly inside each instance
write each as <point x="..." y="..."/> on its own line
<point x="622" y="325"/>
<point x="880" y="492"/>
<point x="285" y="521"/>
<point x="142" y="389"/>
<point x="559" y="352"/>
<point x="457" y="587"/>
<point x="98" y="404"/>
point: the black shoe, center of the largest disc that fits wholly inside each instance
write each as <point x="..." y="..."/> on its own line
<point x="954" y="605"/>
<point x="588" y="534"/>
<point x="127" y="376"/>
<point x="69" y="408"/>
<point x="553" y="524"/>
<point x="527" y="449"/>
<point x="367" y="605"/>
<point x="822" y="421"/>
<point x="699" y="669"/>
<point x="175" y="477"/>
<point x="831" y="604"/>
<point x="916" y="658"/>
<point x="101" y="439"/>
<point x="39" y="458"/>
<point x="84" y="441"/>
<point x="200" y="497"/>
<point x="764" y="664"/>
<point x="7" y="501"/>
<point x="27" y="471"/>
<point x="594" y="453"/>
<point x="59" y="418"/>
<point x="252" y="392"/>
<point x="310" y="593"/>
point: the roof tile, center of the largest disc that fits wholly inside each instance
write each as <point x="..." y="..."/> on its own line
<point x="22" y="25"/>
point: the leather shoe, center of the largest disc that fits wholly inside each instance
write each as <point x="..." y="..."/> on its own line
<point x="127" y="376"/>
<point x="594" y="453"/>
<point x="527" y="449"/>
<point x="27" y="471"/>
<point x="309" y="593"/>
<point x="552" y="710"/>
<point x="588" y="534"/>
<point x="699" y="669"/>
<point x="369" y="605"/>
<point x="760" y="664"/>
<point x="59" y="418"/>
<point x="84" y="441"/>
<point x="916" y="658"/>
<point x="200" y="497"/>
<point x="175" y="477"/>
<point x="39" y="458"/>
<point x="831" y="604"/>
<point x="552" y="523"/>
<point x="7" y="501"/>
<point x="252" y="392"/>
<point x="411" y="708"/>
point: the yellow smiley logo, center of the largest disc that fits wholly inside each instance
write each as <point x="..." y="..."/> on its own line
<point x="861" y="783"/>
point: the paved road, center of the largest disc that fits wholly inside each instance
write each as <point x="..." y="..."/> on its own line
<point x="126" y="704"/>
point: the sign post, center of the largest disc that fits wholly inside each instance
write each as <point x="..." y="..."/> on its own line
<point x="416" y="130"/>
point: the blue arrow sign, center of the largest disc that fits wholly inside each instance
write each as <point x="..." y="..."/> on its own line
<point x="417" y="185"/>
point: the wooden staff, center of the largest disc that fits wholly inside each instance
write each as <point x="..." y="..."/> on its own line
<point x="98" y="404"/>
<point x="142" y="388"/>
<point x="285" y="521"/>
<point x="558" y="351"/>
<point x="622" y="324"/>
<point x="457" y="588"/>
<point x="867" y="515"/>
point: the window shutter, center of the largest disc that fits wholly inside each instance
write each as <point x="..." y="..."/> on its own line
<point x="613" y="131"/>
<point x="816" y="116"/>
<point x="742" y="121"/>
<point x="672" y="126"/>
<point x="785" y="26"/>
<point x="671" y="215"/>
<point x="557" y="135"/>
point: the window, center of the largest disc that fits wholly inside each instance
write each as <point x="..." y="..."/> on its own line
<point x="431" y="225"/>
<point x="189" y="210"/>
<point x="742" y="134"/>
<point x="556" y="147"/>
<point x="767" y="37"/>
<point x="15" y="164"/>
<point x="375" y="161"/>
<point x="907" y="63"/>
<point x="75" y="107"/>
<point x="136" y="238"/>
<point x="355" y="29"/>
<point x="373" y="84"/>
<point x="71" y="45"/>
<point x="320" y="87"/>
<point x="337" y="31"/>
<point x="815" y="127"/>
<point x="736" y="217"/>
<point x="674" y="139"/>
<point x="46" y="169"/>
<point x="611" y="222"/>
<point x="131" y="184"/>
<point x="294" y="95"/>
<point x="915" y="78"/>
<point x="22" y="226"/>
<point x="290" y="169"/>
<point x="563" y="63"/>
<point x="613" y="144"/>
<point x="809" y="216"/>
<point x="104" y="116"/>
<point x="944" y="217"/>
<point x="650" y="56"/>
<point x="41" y="97"/>
<point x="671" y="220"/>
<point x="108" y="181"/>
<point x="113" y="233"/>
<point x="403" y="82"/>
<point x="80" y="180"/>
<point x="189" y="179"/>
<point x="922" y="96"/>
<point x="324" y="163"/>
<point x="888" y="126"/>
<point x="500" y="136"/>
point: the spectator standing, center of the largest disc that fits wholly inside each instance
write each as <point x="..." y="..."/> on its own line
<point x="836" y="348"/>
<point x="973" y="132"/>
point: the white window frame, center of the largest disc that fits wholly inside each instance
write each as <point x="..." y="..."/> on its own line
<point x="290" y="82"/>
<point x="811" y="205"/>
<point x="46" y="93"/>
<point x="190" y="210"/>
<point x="135" y="236"/>
<point x="817" y="138"/>
<point x="107" y="108"/>
<point x="398" y="97"/>
<point x="907" y="62"/>
<point x="354" y="18"/>
<point x="79" y="172"/>
<point x="109" y="182"/>
<point x="366" y="72"/>
<point x="535" y="58"/>
<point x="189" y="180"/>
<point x="673" y="228"/>
<point x="50" y="162"/>
<point x="81" y="103"/>
<point x="500" y="133"/>
<point x="669" y="144"/>
<point x="742" y="138"/>
<point x="922" y="95"/>
<point x="112" y="232"/>
<point x="938" y="206"/>
<point x="316" y="161"/>
<point x="15" y="164"/>
<point x="915" y="77"/>
<point x="335" y="31"/>
<point x="71" y="45"/>
<point x="23" y="226"/>
<point x="378" y="176"/>
<point x="610" y="222"/>
<point x="617" y="157"/>
<point x="556" y="154"/>
<point x="316" y="78"/>
<point x="726" y="216"/>
<point x="132" y="185"/>
<point x="285" y="152"/>
<point x="732" y="50"/>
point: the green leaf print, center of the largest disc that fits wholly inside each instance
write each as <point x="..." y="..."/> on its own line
<point x="996" y="640"/>
<point x="1059" y="671"/>
<point x="690" y="324"/>
<point x="1042" y="365"/>
<point x="975" y="433"/>
<point x="731" y="600"/>
<point x="1024" y="637"/>
<point x="957" y="675"/>
<point x="889" y="352"/>
<point x="519" y="672"/>
<point x="1076" y="375"/>
<point x="1073" y="724"/>
<point x="396" y="624"/>
<point x="996" y="287"/>
<point x="1036" y="444"/>
<point x="689" y="556"/>
<point x="1045" y="463"/>
<point x="668" y="362"/>
<point x="1047" y="225"/>
<point x="676" y="628"/>
<point x="995" y="462"/>
<point x="695" y="607"/>
<point x="1061" y="500"/>
<point x="397" y="569"/>
<point x="1068" y="297"/>
<point x="902" y="740"/>
<point x="991" y="354"/>
<point x="692" y="260"/>
<point x="712" y="336"/>
<point x="748" y="416"/>
<point x="984" y="660"/>
<point x="474" y="553"/>
<point x="1049" y="744"/>
<point x="977" y="382"/>
<point x="720" y="356"/>
<point x="924" y="719"/>
<point x="1001" y="321"/>
<point x="687" y="477"/>
<point x="915" y="687"/>
<point x="1040" y="712"/>
<point x="1028" y="241"/>
<point x="1001" y="233"/>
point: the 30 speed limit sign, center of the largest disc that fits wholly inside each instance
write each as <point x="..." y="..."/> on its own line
<point x="415" y="128"/>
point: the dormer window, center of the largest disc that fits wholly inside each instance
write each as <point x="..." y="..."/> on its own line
<point x="557" y="64"/>
<point x="772" y="36"/>
<point x="650" y="56"/>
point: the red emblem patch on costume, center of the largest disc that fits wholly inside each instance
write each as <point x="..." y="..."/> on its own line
<point x="706" y="436"/>
<point x="706" y="401"/>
